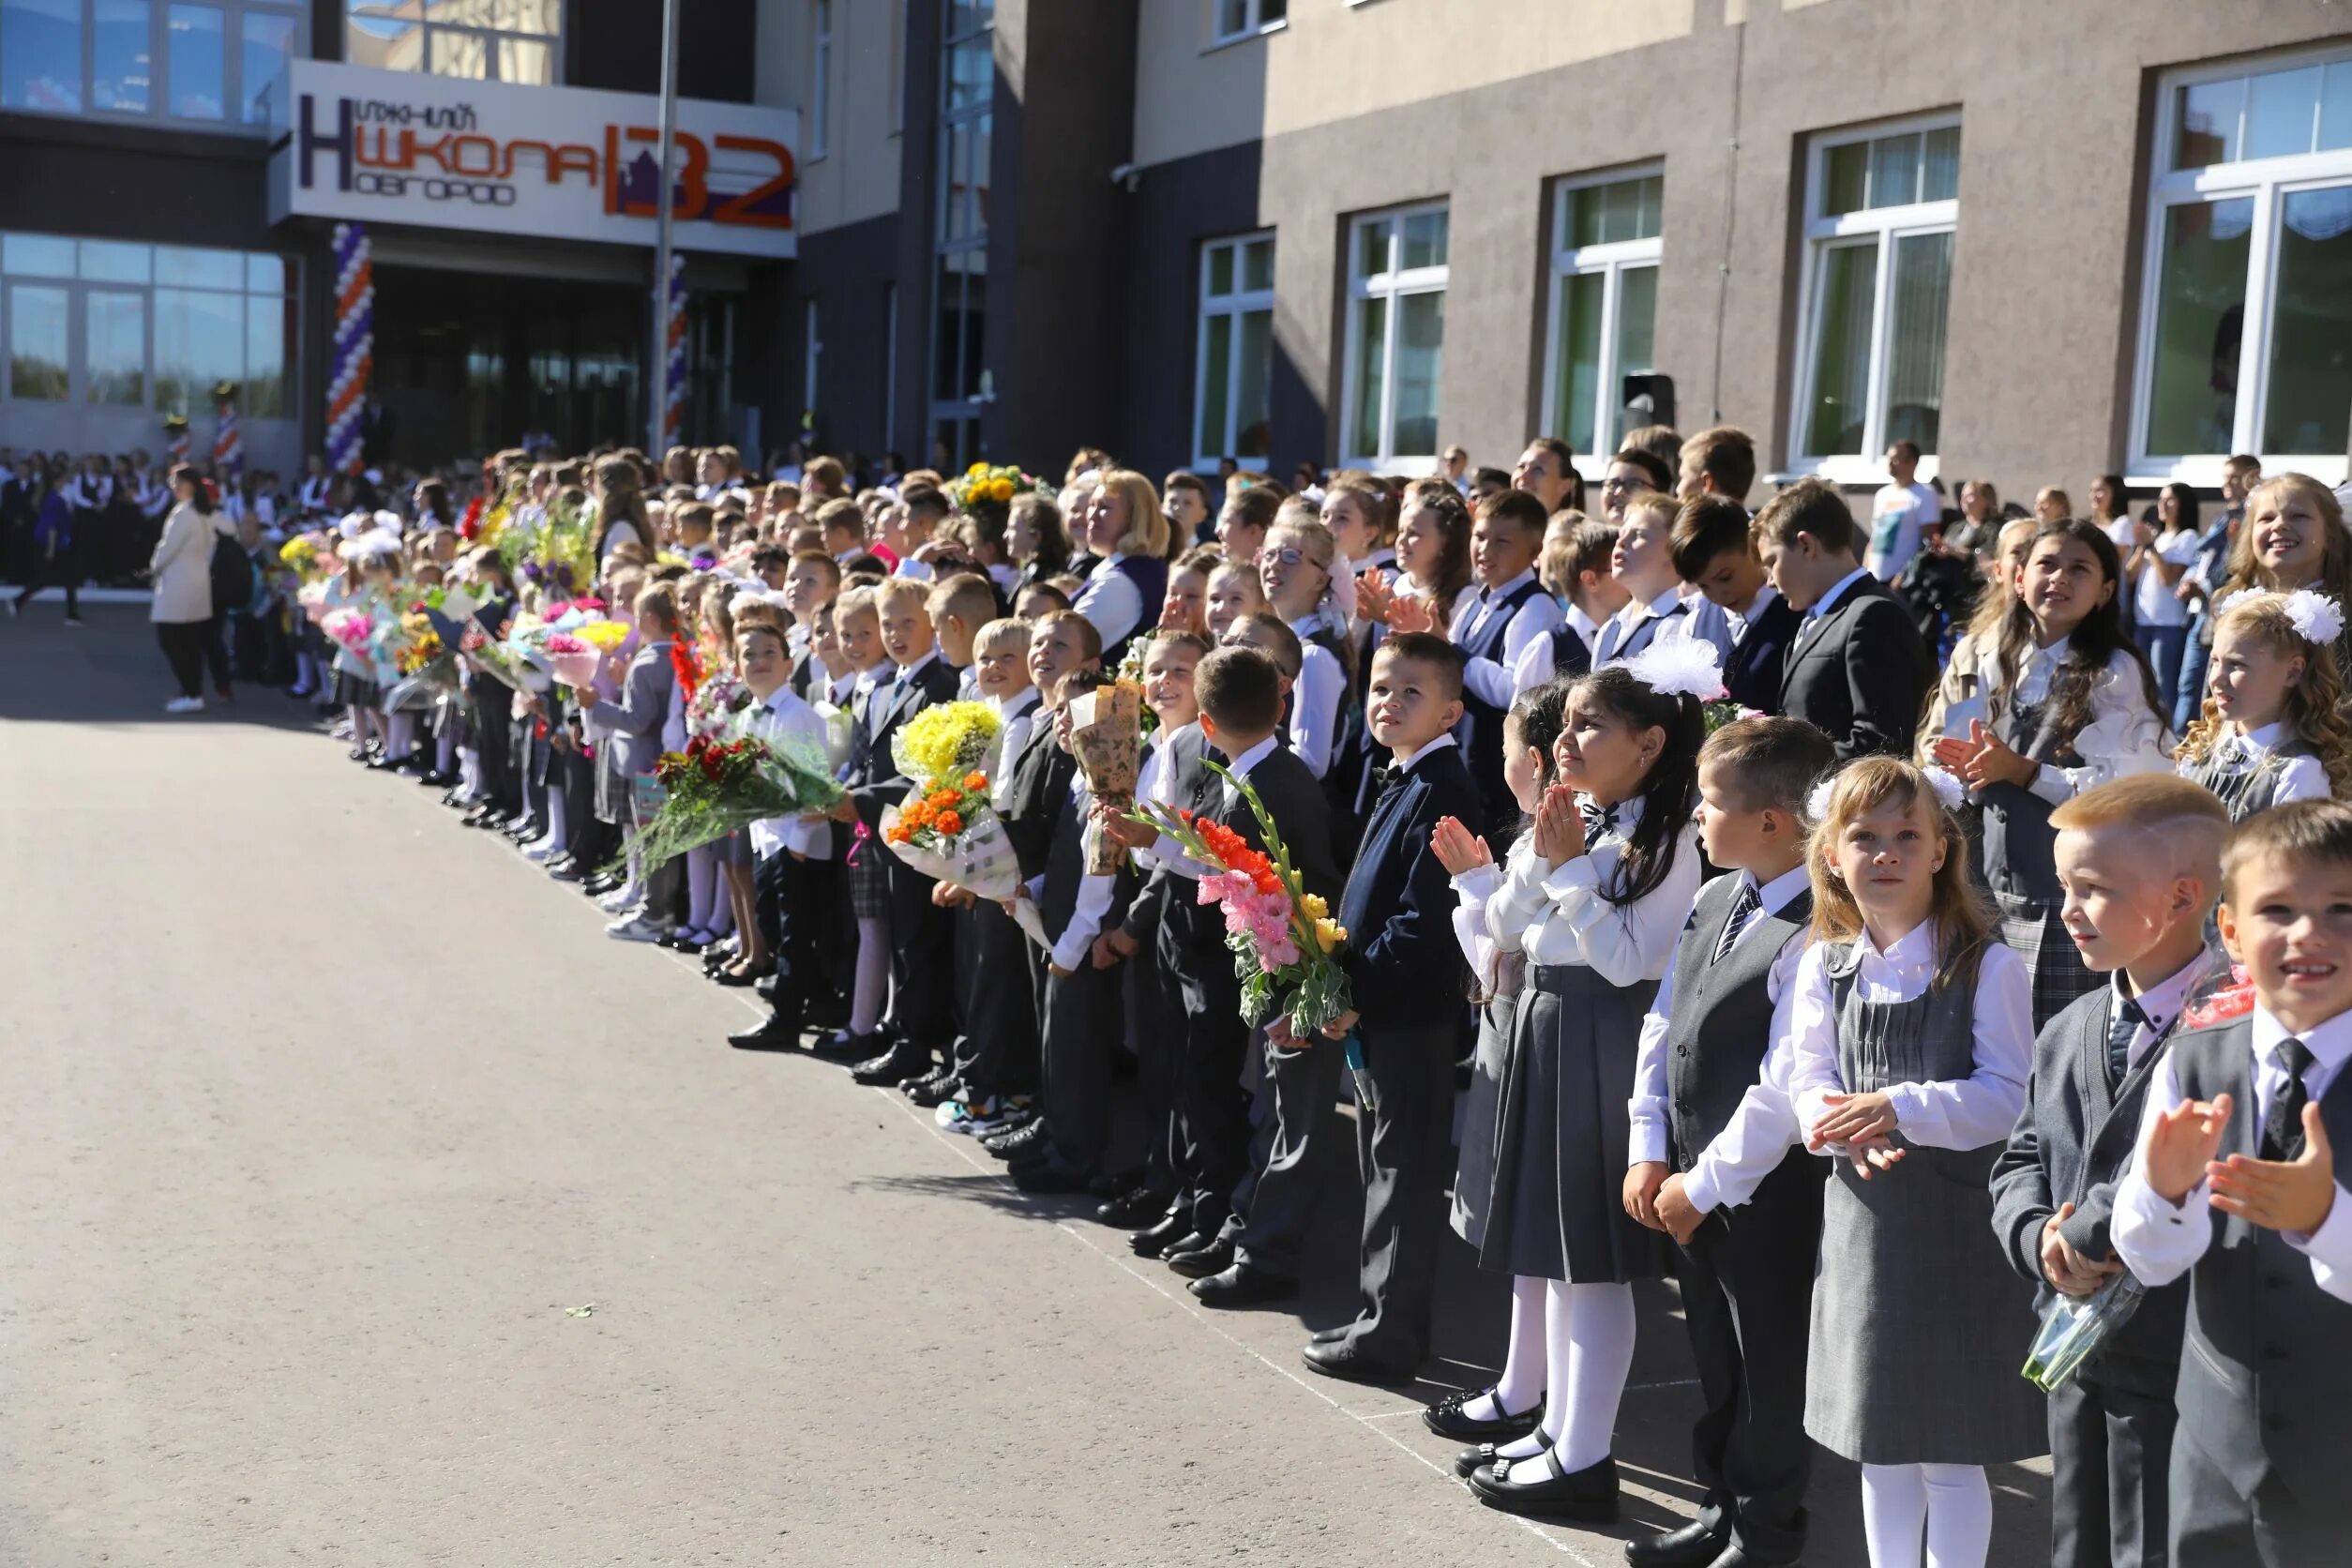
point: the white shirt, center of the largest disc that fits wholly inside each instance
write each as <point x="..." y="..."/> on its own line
<point x="1619" y="631"/>
<point x="1017" y="719"/>
<point x="1112" y="602"/>
<point x="785" y="714"/>
<point x="1761" y="1131"/>
<point x="1496" y="682"/>
<point x="2300" y="777"/>
<point x="1555" y="915"/>
<point x="1947" y="1113"/>
<point x="1473" y="890"/>
<point x="621" y="534"/>
<point x="1827" y="601"/>
<point x="2124" y="737"/>
<point x="1072" y="949"/>
<point x="1315" y="701"/>
<point x="1897" y="513"/>
<point x="914" y="570"/>
<point x="2160" y="1241"/>
<point x="2160" y="1006"/>
<point x="2152" y="601"/>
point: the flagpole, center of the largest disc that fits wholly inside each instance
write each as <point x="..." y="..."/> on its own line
<point x="657" y="363"/>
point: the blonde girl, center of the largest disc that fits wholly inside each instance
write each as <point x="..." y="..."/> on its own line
<point x="2293" y="537"/>
<point x="1910" y="1037"/>
<point x="1127" y="534"/>
<point x="2272" y="729"/>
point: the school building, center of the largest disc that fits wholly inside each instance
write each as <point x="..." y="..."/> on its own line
<point x="2042" y="240"/>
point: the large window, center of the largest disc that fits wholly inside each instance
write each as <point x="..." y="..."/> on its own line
<point x="1247" y="19"/>
<point x="820" y="75"/>
<point x="1881" y="208"/>
<point x="1396" y="271"/>
<point x="490" y="40"/>
<point x="215" y="63"/>
<point x="959" y="283"/>
<point x="1236" y="352"/>
<point x="1604" y="303"/>
<point x="96" y="322"/>
<point x="2245" y="335"/>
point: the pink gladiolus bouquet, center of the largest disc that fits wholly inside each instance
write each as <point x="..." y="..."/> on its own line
<point x="352" y="630"/>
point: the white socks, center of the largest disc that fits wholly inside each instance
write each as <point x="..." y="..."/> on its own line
<point x="1521" y="1381"/>
<point x="404" y="734"/>
<point x="1589" y="1344"/>
<point x="1951" y="1505"/>
<point x="873" y="976"/>
<point x="556" y="836"/>
<point x="445" y="752"/>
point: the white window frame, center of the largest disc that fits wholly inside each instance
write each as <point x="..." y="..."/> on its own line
<point x="2268" y="182"/>
<point x="232" y="14"/>
<point x="1238" y="303"/>
<point x="1393" y="285"/>
<point x="1613" y="259"/>
<point x="1887" y="226"/>
<point x="819" y="77"/>
<point x="490" y="35"/>
<point x="1255" y="22"/>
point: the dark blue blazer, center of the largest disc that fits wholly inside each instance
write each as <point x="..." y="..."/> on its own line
<point x="1404" y="966"/>
<point x="1753" y="673"/>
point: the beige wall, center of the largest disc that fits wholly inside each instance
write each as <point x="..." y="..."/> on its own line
<point x="1334" y="61"/>
<point x="858" y="176"/>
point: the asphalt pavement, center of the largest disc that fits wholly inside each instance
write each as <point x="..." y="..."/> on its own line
<point x="367" y="1205"/>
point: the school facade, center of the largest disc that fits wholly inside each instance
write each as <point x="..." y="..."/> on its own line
<point x="2044" y="241"/>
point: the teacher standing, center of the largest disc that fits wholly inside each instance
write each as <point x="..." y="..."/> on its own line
<point x="181" y="569"/>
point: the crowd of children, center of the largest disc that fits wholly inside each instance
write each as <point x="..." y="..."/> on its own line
<point x="1878" y="1005"/>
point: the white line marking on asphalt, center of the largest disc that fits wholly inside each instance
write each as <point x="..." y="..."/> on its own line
<point x="954" y="1143"/>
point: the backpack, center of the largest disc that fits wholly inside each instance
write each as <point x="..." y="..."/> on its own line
<point x="231" y="575"/>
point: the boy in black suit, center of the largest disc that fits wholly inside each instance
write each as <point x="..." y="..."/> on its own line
<point x="1714" y="552"/>
<point x="1408" y="984"/>
<point x="922" y="1018"/>
<point x="1238" y="1240"/>
<point x="2235" y="1185"/>
<point x="2140" y="859"/>
<point x="1857" y="671"/>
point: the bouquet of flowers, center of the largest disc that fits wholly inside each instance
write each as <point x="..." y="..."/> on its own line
<point x="1107" y="737"/>
<point x="946" y="828"/>
<point x="351" y="628"/>
<point x="728" y="780"/>
<point x="1285" y="941"/>
<point x="983" y="488"/>
<point x="311" y="556"/>
<point x="573" y="658"/>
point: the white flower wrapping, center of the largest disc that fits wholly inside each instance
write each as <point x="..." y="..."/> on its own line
<point x="1818" y="803"/>
<point x="2318" y="617"/>
<point x="1685" y="667"/>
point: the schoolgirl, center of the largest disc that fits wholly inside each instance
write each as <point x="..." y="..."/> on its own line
<point x="1296" y="572"/>
<point x="1595" y="908"/>
<point x="2272" y="729"/>
<point x="1234" y="593"/>
<point x="1910" y="1038"/>
<point x="1513" y="1404"/>
<point x="2294" y="537"/>
<point x="1185" y="606"/>
<point x="858" y="624"/>
<point x="2069" y="702"/>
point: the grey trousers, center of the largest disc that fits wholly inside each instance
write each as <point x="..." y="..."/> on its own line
<point x="2210" y="1526"/>
<point x="2110" y="1452"/>
<point x="1404" y="1151"/>
<point x="1296" y="1092"/>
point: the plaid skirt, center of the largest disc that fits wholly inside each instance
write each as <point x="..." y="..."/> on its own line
<point x="2039" y="937"/>
<point x="869" y="881"/>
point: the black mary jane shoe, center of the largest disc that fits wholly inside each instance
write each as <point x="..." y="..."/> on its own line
<point x="1484" y="1455"/>
<point x="1588" y="1497"/>
<point x="1445" y="1418"/>
<point x="732" y="978"/>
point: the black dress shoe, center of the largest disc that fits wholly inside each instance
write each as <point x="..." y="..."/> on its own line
<point x="1341" y="1359"/>
<point x="1130" y="1210"/>
<point x="1117" y="1185"/>
<point x="932" y="1087"/>
<point x="1693" y="1546"/>
<point x="437" y="780"/>
<point x="599" y="885"/>
<point x="571" y="873"/>
<point x="828" y="1012"/>
<point x="1483" y="1455"/>
<point x="896" y="1065"/>
<point x="1202" y="1262"/>
<point x="732" y="978"/>
<point x="1330" y="1335"/>
<point x="1190" y="1241"/>
<point x="1239" y="1284"/>
<point x="1050" y="1176"/>
<point x="1588" y="1497"/>
<point x="1737" y="1556"/>
<point x="776" y="1033"/>
<point x="1019" y="1142"/>
<point x="1445" y="1418"/>
<point x="1152" y="1242"/>
<point x="849" y="1045"/>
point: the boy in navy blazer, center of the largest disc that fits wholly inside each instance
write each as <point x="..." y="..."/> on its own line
<point x="2141" y="862"/>
<point x="1409" y="985"/>
<point x="1857" y="670"/>
<point x="1715" y="552"/>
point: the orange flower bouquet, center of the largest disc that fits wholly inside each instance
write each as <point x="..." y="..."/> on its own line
<point x="946" y="828"/>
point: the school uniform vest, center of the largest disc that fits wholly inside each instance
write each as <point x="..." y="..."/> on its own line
<point x="2244" y="791"/>
<point x="1571" y="658"/>
<point x="1622" y="647"/>
<point x="2020" y="845"/>
<point x="1150" y="576"/>
<point x="1717" y="1034"/>
<point x="1065" y="867"/>
<point x="2265" y="1375"/>
<point x="1482" y="720"/>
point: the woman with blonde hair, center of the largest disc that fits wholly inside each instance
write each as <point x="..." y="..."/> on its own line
<point x="1126" y="533"/>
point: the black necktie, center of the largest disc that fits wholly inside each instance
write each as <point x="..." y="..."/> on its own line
<point x="1598" y="819"/>
<point x="2122" y="1031"/>
<point x="2282" y="1129"/>
<point x="1750" y="900"/>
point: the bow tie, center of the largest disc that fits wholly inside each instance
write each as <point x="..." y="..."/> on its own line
<point x="1387" y="780"/>
<point x="1598" y="819"/>
<point x="2236" y="752"/>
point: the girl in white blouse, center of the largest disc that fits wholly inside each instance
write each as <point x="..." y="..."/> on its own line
<point x="2069" y="702"/>
<point x="1909" y="1047"/>
<point x="1297" y="566"/>
<point x="2273" y="729"/>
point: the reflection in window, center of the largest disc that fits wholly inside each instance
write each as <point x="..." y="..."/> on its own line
<point x="1236" y="350"/>
<point x="40" y="56"/>
<point x="2200" y="313"/>
<point x="121" y="67"/>
<point x="1396" y="336"/>
<point x="198" y="63"/>
<point x="1603" y="304"/>
<point x="506" y="41"/>
<point x="2309" y="406"/>
<point x="37" y="362"/>
<point x="269" y="46"/>
<point x="114" y="346"/>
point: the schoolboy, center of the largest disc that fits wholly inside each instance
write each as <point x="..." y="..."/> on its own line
<point x="921" y="510"/>
<point x="1717" y="461"/>
<point x="1407" y="981"/>
<point x="1576" y="569"/>
<point x="810" y="579"/>
<point x="1643" y="565"/>
<point x="791" y="856"/>
<point x="844" y="527"/>
<point x="921" y="1019"/>
<point x="960" y="605"/>
<point x="1493" y="626"/>
<point x="1239" y="1238"/>
<point x="1858" y="670"/>
<point x="1718" y="1160"/>
<point x="694" y="522"/>
<point x="1715" y="551"/>
<point x="2140" y="860"/>
<point x="2235" y="1184"/>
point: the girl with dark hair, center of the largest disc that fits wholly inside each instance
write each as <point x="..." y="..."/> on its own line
<point x="1595" y="907"/>
<point x="1036" y="539"/>
<point x="2068" y="702"/>
<point x="2155" y="554"/>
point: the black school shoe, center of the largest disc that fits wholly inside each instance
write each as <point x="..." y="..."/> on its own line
<point x="1445" y="1418"/>
<point x="938" y="1084"/>
<point x="1588" y="1497"/>
<point x="1344" y="1360"/>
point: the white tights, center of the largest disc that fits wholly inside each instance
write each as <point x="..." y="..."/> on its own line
<point x="1952" y="1505"/>
<point x="1577" y="1342"/>
<point x="872" y="992"/>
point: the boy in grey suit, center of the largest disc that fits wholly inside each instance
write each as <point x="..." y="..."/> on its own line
<point x="2140" y="860"/>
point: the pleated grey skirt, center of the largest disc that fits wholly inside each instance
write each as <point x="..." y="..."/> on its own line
<point x="1556" y="1208"/>
<point x="1474" y="1169"/>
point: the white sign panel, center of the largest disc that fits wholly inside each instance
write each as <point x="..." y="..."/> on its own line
<point x="351" y="141"/>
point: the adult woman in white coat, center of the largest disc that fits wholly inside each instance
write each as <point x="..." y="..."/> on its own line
<point x="181" y="570"/>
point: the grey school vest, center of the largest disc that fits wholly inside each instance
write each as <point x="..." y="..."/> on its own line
<point x="2265" y="1375"/>
<point x="1720" y="1027"/>
<point x="2247" y="790"/>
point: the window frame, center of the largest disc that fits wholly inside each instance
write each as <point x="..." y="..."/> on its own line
<point x="1613" y="258"/>
<point x="820" y="79"/>
<point x="1235" y="305"/>
<point x="1254" y="25"/>
<point x="554" y="42"/>
<point x="1394" y="285"/>
<point x="232" y="121"/>
<point x="812" y="348"/>
<point x="1885" y="227"/>
<point x="2266" y="182"/>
